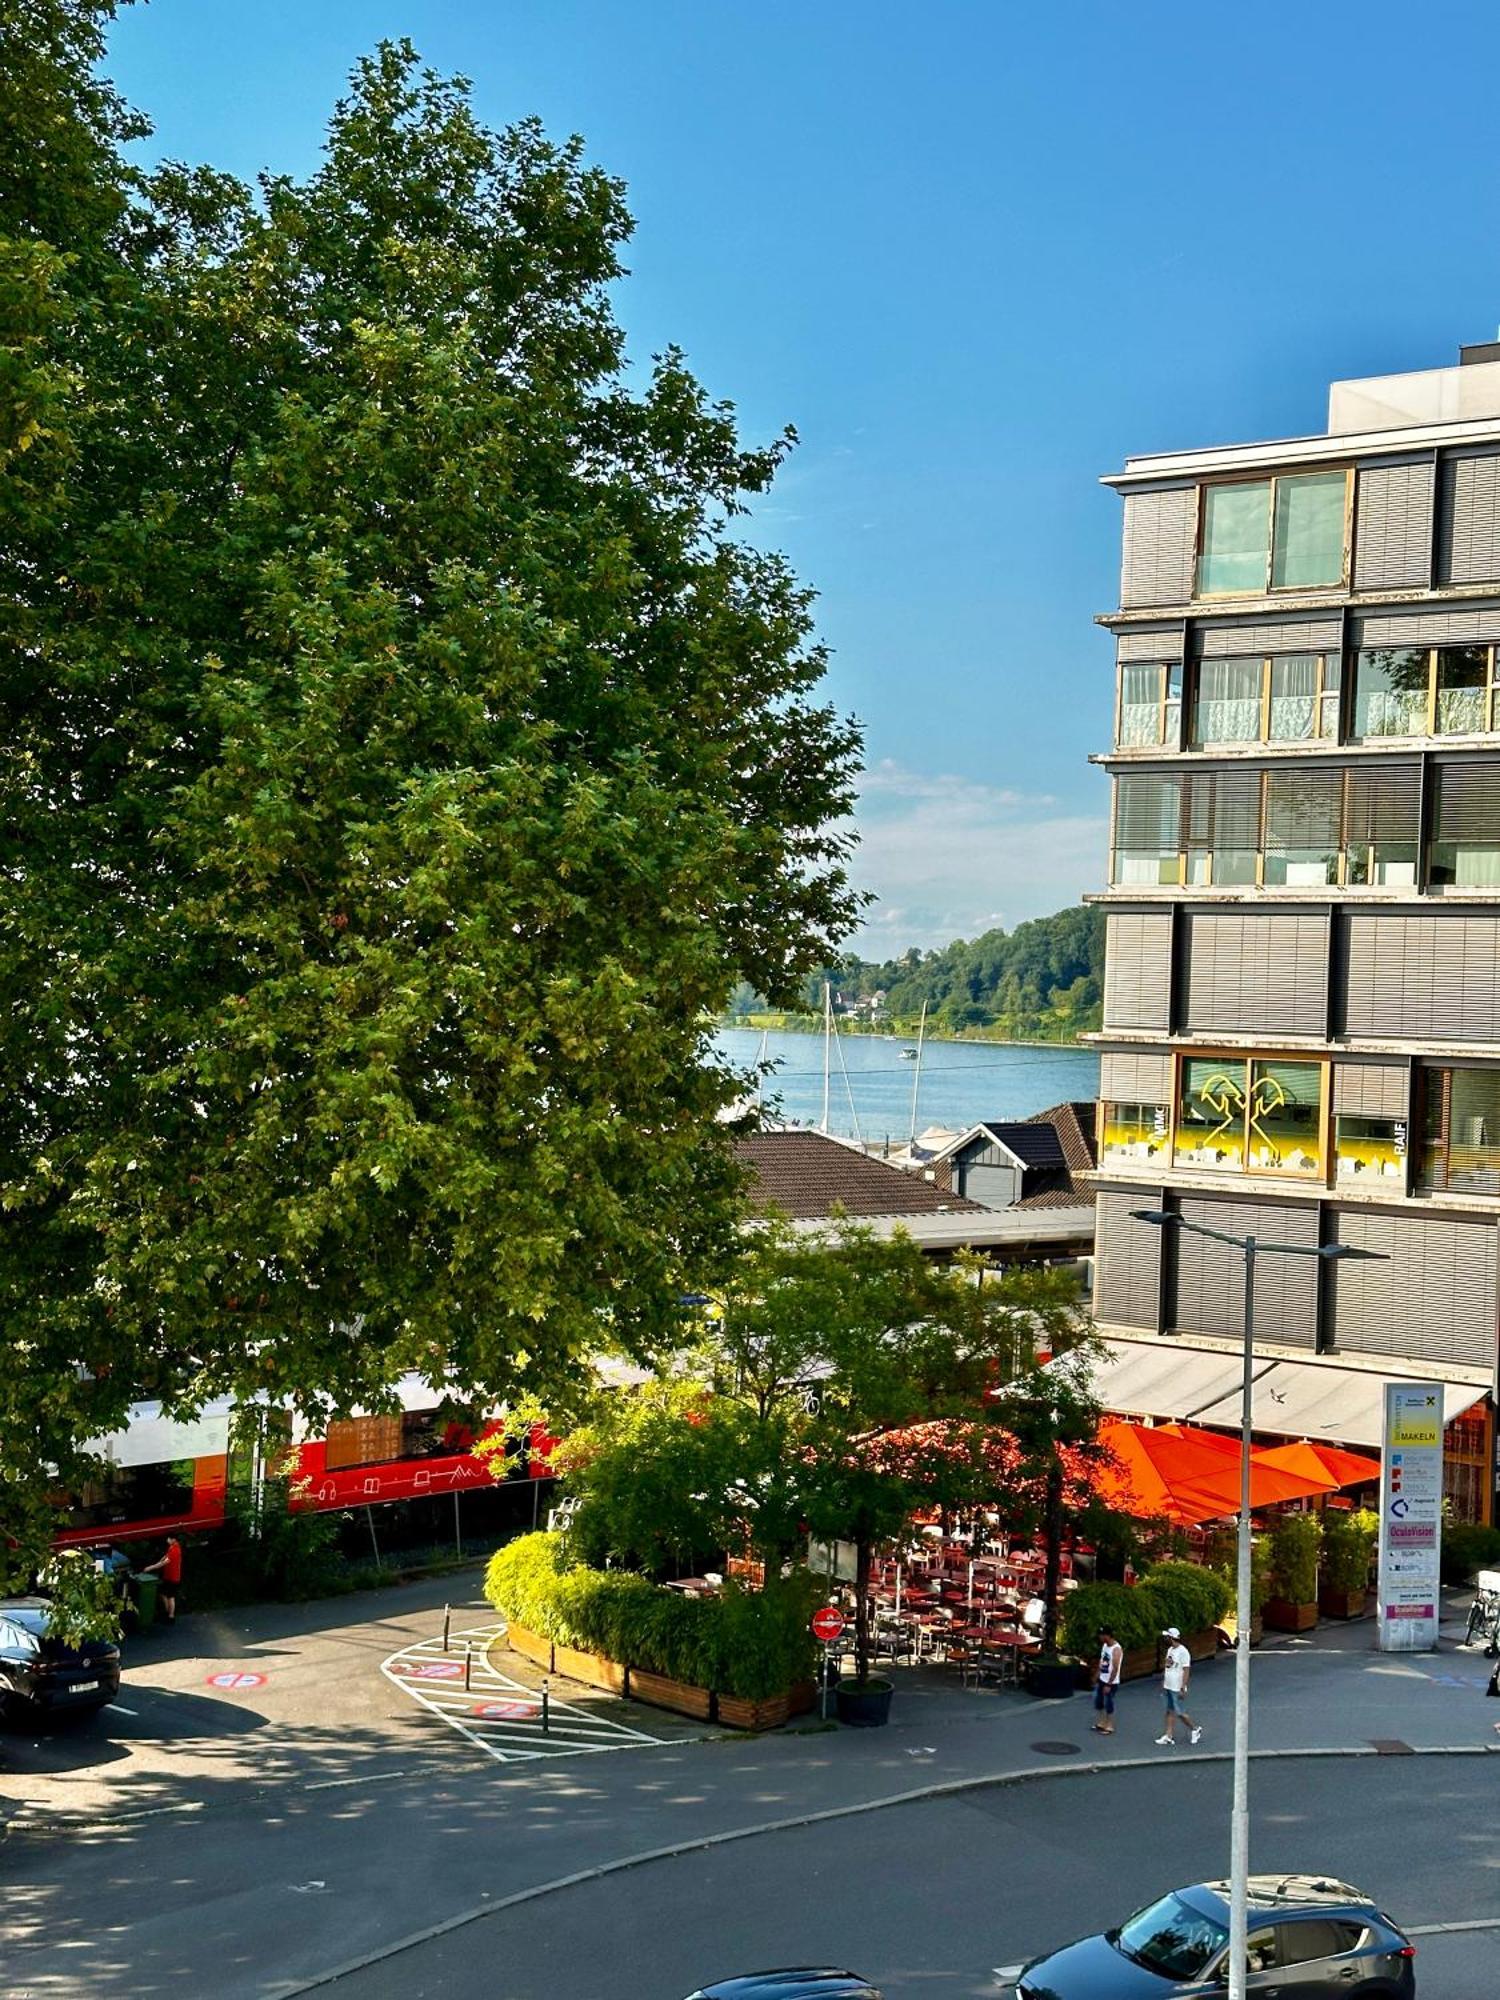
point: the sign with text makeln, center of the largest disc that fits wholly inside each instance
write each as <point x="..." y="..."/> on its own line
<point x="1411" y="1516"/>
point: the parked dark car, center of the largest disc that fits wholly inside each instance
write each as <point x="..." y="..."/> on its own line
<point x="39" y="1675"/>
<point x="808" y="1982"/>
<point x="1307" y="1935"/>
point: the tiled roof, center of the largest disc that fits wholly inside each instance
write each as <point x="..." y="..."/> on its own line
<point x="1073" y="1125"/>
<point x="804" y="1174"/>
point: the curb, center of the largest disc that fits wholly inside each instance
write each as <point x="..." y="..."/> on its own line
<point x="947" y="1788"/>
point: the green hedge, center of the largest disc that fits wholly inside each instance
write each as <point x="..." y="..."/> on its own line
<point x="747" y="1643"/>
<point x="1173" y="1593"/>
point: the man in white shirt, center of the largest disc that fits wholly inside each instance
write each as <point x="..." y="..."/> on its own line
<point x="1107" y="1680"/>
<point x="1176" y="1674"/>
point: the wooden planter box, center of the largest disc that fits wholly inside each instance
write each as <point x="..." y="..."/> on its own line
<point x="1282" y="1616"/>
<point x="679" y="1696"/>
<point x="1342" y="1603"/>
<point x="530" y="1645"/>
<point x="593" y="1669"/>
<point x="736" y="1711"/>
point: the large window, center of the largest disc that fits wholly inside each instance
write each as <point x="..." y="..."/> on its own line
<point x="1261" y="1116"/>
<point x="1135" y="1131"/>
<point x="1465" y="850"/>
<point x="1286" y="533"/>
<point x="1150" y="704"/>
<point x="1461" y="1130"/>
<point x="1287" y="698"/>
<point x="1304" y="810"/>
<point x="1148" y="836"/>
<point x="1221" y="827"/>
<point x="1305" y="827"/>
<point x="1368" y="1151"/>
<point x="1423" y="691"/>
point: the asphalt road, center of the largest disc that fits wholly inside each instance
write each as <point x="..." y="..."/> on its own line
<point x="240" y="1842"/>
<point x="926" y="1900"/>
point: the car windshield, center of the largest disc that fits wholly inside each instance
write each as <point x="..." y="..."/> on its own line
<point x="1172" y="1937"/>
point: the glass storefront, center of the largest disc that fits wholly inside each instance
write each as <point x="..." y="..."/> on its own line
<point x="1370" y="1150"/>
<point x="1134" y="1131"/>
<point x="1264" y="1116"/>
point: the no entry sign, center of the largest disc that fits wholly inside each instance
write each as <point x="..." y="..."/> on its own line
<point x="827" y="1624"/>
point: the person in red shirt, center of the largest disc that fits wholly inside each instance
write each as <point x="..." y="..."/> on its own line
<point x="169" y="1568"/>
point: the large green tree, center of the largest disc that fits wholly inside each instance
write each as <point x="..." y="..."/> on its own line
<point x="399" y="757"/>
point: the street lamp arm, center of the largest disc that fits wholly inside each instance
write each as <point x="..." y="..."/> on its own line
<point x="1164" y="1218"/>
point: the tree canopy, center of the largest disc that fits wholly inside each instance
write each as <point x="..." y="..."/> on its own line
<point x="838" y="1385"/>
<point x="399" y="758"/>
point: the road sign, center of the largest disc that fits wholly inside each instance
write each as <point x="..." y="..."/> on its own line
<point x="827" y="1624"/>
<point x="236" y="1683"/>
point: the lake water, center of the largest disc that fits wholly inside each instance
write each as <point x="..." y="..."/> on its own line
<point x="961" y="1082"/>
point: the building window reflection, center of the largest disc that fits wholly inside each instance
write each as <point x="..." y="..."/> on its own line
<point x="1261" y="1116"/>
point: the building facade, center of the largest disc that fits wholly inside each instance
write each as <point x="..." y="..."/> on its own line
<point x="1302" y="1003"/>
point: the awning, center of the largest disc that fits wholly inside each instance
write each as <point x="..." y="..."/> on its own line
<point x="1293" y="1399"/>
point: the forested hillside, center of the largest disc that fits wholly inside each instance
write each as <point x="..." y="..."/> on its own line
<point x="1043" y="980"/>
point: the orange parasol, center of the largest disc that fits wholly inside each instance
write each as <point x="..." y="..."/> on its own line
<point x="1159" y="1472"/>
<point x="1344" y="1468"/>
<point x="1191" y="1476"/>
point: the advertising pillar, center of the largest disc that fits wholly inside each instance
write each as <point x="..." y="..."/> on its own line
<point x="1411" y="1516"/>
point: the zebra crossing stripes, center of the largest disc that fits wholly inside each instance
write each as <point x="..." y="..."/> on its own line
<point x="502" y="1717"/>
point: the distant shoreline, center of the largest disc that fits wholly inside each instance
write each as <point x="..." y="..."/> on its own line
<point x="806" y="1026"/>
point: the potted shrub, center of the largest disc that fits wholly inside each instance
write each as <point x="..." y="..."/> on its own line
<point x="1348" y="1549"/>
<point x="1222" y="1556"/>
<point x="1293" y="1603"/>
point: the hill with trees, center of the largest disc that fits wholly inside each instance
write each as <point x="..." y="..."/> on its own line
<point x="1043" y="981"/>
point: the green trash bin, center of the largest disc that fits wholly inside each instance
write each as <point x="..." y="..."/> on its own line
<point x="143" y="1589"/>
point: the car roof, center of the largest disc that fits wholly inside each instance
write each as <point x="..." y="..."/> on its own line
<point x="1275" y="1895"/>
<point x="30" y="1613"/>
<point x="807" y="1982"/>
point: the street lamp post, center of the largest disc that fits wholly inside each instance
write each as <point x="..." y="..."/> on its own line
<point x="1239" y="1817"/>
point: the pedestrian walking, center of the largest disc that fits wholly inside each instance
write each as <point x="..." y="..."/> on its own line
<point x="168" y="1567"/>
<point x="1106" y="1680"/>
<point x="1176" y="1673"/>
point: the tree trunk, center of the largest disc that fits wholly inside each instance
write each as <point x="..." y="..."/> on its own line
<point x="862" y="1608"/>
<point x="1052" y="1576"/>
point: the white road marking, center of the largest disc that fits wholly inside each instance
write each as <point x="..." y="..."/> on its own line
<point x="120" y="1709"/>
<point x="572" y="1731"/>
<point x="335" y="1784"/>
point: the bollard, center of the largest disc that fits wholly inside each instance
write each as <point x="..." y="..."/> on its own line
<point x="546" y="1699"/>
<point x="468" y="1664"/>
<point x="447" y="1614"/>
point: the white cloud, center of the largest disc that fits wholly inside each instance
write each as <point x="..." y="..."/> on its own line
<point x="952" y="857"/>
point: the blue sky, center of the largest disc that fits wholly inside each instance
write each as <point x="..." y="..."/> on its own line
<point x="976" y="252"/>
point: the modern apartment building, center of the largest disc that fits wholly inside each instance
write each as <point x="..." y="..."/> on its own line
<point x="1302" y="1004"/>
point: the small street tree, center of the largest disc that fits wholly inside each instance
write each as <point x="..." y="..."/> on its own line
<point x="907" y="1383"/>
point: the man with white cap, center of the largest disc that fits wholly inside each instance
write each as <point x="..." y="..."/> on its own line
<point x="1176" y="1674"/>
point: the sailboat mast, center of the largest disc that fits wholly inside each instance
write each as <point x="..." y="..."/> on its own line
<point x="827" y="1036"/>
<point x="916" y="1079"/>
